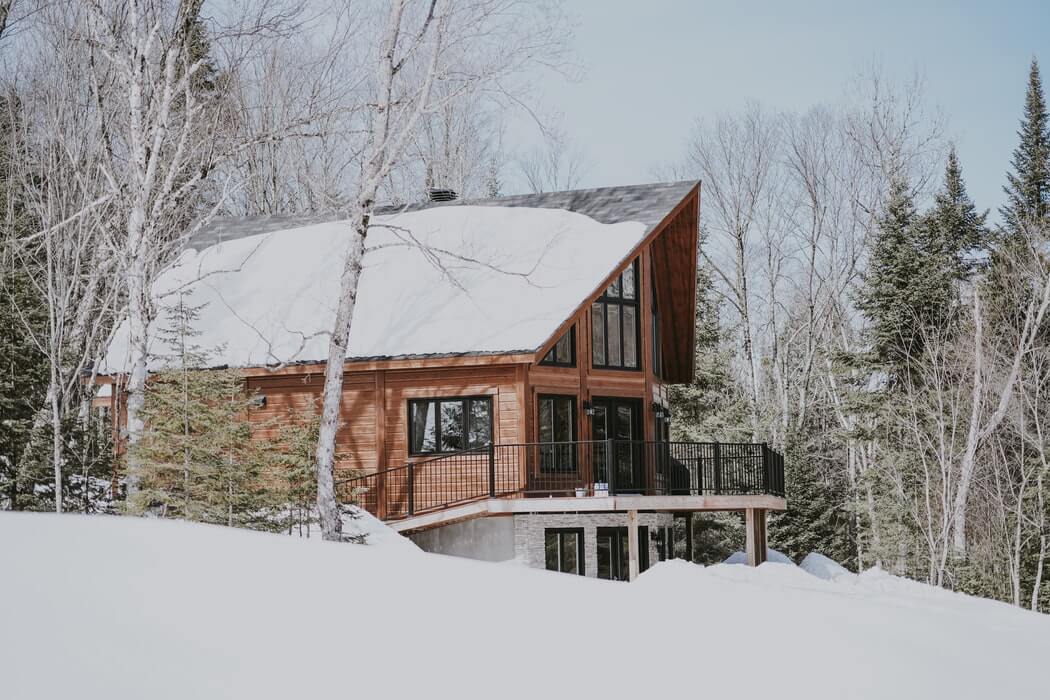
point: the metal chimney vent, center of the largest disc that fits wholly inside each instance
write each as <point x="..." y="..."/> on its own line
<point x="437" y="194"/>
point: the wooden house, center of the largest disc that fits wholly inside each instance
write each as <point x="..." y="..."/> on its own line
<point x="506" y="395"/>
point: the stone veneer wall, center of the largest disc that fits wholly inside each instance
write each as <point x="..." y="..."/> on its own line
<point x="529" y="539"/>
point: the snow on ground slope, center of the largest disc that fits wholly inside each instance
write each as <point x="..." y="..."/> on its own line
<point x="824" y="568"/>
<point x="112" y="607"/>
<point x="772" y="555"/>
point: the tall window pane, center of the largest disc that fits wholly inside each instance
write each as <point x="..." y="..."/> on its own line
<point x="562" y="550"/>
<point x="612" y="324"/>
<point x="570" y="560"/>
<point x="563" y="349"/>
<point x="598" y="333"/>
<point x="451" y="426"/>
<point x="557" y="431"/>
<point x="630" y="337"/>
<point x="423" y="428"/>
<point x="480" y="428"/>
<point x="563" y="420"/>
<point x="615" y="323"/>
<point x="628" y="284"/>
<point x="546" y="420"/>
<point x="551" y="553"/>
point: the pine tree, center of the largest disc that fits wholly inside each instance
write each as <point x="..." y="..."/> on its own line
<point x="1028" y="186"/>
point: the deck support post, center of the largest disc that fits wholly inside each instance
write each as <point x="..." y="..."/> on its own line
<point x="632" y="545"/>
<point x="689" y="536"/>
<point x="755" y="525"/>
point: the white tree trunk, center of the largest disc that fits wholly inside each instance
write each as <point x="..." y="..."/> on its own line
<point x="332" y="394"/>
<point x="138" y="323"/>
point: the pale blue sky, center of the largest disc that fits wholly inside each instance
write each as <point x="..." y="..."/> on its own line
<point x="652" y="67"/>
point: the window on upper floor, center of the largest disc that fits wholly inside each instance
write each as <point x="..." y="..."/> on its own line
<point x="557" y="433"/>
<point x="437" y="426"/>
<point x="563" y="354"/>
<point x="614" y="323"/>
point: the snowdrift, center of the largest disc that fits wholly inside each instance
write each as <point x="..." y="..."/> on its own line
<point x="114" y="607"/>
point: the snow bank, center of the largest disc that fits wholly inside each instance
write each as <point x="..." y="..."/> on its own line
<point x="824" y="567"/>
<point x="358" y="522"/>
<point x="512" y="276"/>
<point x="129" y="608"/>
<point x="772" y="555"/>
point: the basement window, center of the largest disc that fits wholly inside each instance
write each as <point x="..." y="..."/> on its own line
<point x="440" y="426"/>
<point x="563" y="550"/>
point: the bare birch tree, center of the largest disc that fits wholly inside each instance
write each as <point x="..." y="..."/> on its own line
<point x="555" y="164"/>
<point x="460" y="45"/>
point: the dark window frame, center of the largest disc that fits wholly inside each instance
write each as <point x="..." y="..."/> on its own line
<point x="466" y="401"/>
<point x="571" y="465"/>
<point x="618" y="299"/>
<point x="560" y="533"/>
<point x="548" y="362"/>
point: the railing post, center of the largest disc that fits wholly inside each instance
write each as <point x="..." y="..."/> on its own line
<point x="492" y="470"/>
<point x="381" y="511"/>
<point x="610" y="467"/>
<point x="411" y="489"/>
<point x="765" y="468"/>
<point x="717" y="449"/>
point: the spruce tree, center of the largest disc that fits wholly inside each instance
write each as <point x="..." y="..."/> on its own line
<point x="816" y="519"/>
<point x="197" y="458"/>
<point x="892" y="295"/>
<point x="956" y="230"/>
<point x="1028" y="185"/>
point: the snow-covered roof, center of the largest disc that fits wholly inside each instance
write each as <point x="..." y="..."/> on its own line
<point x="494" y="276"/>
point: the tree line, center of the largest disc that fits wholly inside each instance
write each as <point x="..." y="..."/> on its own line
<point x="858" y="311"/>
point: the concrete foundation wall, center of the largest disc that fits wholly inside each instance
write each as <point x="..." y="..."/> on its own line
<point x="488" y="539"/>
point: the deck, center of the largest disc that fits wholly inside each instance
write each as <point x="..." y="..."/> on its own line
<point x="574" y="476"/>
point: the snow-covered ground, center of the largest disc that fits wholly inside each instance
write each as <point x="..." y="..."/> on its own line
<point x="109" y="607"/>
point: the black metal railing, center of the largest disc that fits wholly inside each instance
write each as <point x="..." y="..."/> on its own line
<point x="595" y="468"/>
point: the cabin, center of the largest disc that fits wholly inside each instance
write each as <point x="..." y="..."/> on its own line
<point x="506" y="391"/>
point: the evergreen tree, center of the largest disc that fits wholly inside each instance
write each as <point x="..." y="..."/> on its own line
<point x="23" y="367"/>
<point x="198" y="459"/>
<point x="816" y="520"/>
<point x="1028" y="186"/>
<point x="892" y="296"/>
<point x="917" y="263"/>
<point x="711" y="407"/>
<point x="955" y="230"/>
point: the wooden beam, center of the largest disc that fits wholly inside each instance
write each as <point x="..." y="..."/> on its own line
<point x="632" y="545"/>
<point x="380" y="438"/>
<point x="755" y="524"/>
